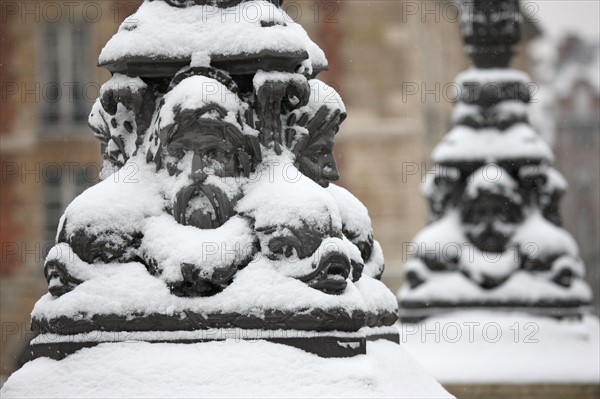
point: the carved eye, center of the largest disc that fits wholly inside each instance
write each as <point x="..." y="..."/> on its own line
<point x="285" y="246"/>
<point x="315" y="156"/>
<point x="217" y="154"/>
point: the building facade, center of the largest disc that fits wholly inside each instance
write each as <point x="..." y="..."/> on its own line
<point x="577" y="147"/>
<point x="48" y="155"/>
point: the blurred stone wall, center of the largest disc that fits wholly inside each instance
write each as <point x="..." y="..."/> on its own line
<point x="36" y="154"/>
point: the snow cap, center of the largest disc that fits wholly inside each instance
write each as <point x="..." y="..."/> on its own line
<point x="241" y="37"/>
<point x="492" y="179"/>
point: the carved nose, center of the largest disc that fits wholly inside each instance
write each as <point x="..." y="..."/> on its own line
<point x="330" y="172"/>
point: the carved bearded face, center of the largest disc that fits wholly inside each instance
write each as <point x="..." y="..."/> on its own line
<point x="201" y="140"/>
<point x="215" y="148"/>
<point x="490" y="220"/>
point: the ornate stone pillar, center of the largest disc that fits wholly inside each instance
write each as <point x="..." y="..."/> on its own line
<point x="494" y="240"/>
<point x="216" y="210"/>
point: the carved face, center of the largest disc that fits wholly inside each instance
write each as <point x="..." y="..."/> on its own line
<point x="316" y="256"/>
<point x="212" y="147"/>
<point x="218" y="147"/>
<point x="287" y="242"/>
<point x="317" y="162"/>
<point x="119" y="118"/>
<point x="490" y="220"/>
<point x="310" y="133"/>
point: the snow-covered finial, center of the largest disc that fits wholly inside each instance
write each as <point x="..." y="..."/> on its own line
<point x="219" y="144"/>
<point x="491" y="28"/>
<point x="495" y="220"/>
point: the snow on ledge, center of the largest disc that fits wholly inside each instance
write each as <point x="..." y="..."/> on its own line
<point x="464" y="143"/>
<point x="482" y="347"/>
<point x="492" y="76"/>
<point x="222" y="369"/>
<point x="157" y="30"/>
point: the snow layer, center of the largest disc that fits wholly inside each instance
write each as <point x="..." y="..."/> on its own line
<point x="481" y="347"/>
<point x="555" y="181"/>
<point x="463" y="143"/>
<point x="121" y="202"/>
<point x="375" y="265"/>
<point x="261" y="286"/>
<point x="222" y="369"/>
<point x="492" y="76"/>
<point x="78" y="268"/>
<point x="547" y="238"/>
<point x="355" y="215"/>
<point x="323" y="94"/>
<point x="521" y="286"/>
<point x="492" y="179"/>
<point x="445" y="233"/>
<point x="171" y="244"/>
<point x="196" y="92"/>
<point x="161" y="31"/>
<point x="256" y="288"/>
<point x="280" y="195"/>
<point x="376" y="295"/>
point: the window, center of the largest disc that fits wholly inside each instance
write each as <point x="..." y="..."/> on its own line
<point x="65" y="65"/>
<point x="61" y="186"/>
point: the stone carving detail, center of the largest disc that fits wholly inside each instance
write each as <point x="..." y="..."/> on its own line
<point x="216" y="208"/>
<point x="494" y="238"/>
<point x="121" y="115"/>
